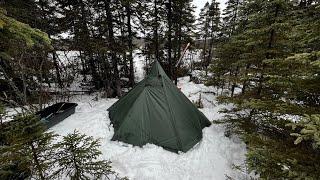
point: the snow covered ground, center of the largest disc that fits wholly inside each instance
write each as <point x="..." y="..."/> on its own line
<point x="212" y="158"/>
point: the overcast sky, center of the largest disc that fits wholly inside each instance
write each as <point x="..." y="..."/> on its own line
<point x="200" y="3"/>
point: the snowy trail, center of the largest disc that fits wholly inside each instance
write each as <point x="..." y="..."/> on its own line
<point x="212" y="158"/>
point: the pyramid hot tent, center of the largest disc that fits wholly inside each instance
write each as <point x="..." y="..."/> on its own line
<point x="155" y="111"/>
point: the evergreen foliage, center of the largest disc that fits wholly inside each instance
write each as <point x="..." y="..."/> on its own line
<point x="14" y="33"/>
<point x="78" y="157"/>
<point x="105" y="40"/>
<point x="209" y="28"/>
<point x="167" y="27"/>
<point x="309" y="128"/>
<point x="28" y="150"/>
<point x="231" y="17"/>
<point x="18" y="43"/>
<point x="268" y="67"/>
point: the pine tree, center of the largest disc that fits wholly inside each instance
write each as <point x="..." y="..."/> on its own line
<point x="210" y="30"/>
<point x="215" y="29"/>
<point x="227" y="66"/>
<point x="183" y="26"/>
<point x="25" y="11"/>
<point x="95" y="34"/>
<point x="77" y="157"/>
<point x="151" y="14"/>
<point x="129" y="5"/>
<point x="77" y="19"/>
<point x="231" y="17"/>
<point x="29" y="150"/>
<point x="166" y="27"/>
<point x="169" y="8"/>
<point x="22" y="11"/>
<point x="18" y="32"/>
<point x="18" y="42"/>
<point x="277" y="70"/>
<point x="48" y="22"/>
<point x="203" y="29"/>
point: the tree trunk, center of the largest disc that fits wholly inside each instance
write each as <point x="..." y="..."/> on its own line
<point x="155" y="31"/>
<point x="268" y="55"/>
<point x="95" y="76"/>
<point x="36" y="161"/>
<point x="112" y="45"/>
<point x="84" y="68"/>
<point x="169" y="16"/>
<point x="210" y="47"/>
<point x="130" y="45"/>
<point x="234" y="83"/>
<point x="106" y="76"/>
<point x="244" y="84"/>
<point x="179" y="44"/>
<point x="56" y="65"/>
<point x="204" y="52"/>
<point x="86" y="47"/>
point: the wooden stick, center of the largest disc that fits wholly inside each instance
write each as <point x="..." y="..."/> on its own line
<point x="184" y="52"/>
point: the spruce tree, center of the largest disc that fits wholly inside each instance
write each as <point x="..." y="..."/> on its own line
<point x="209" y="27"/>
<point x="215" y="28"/>
<point x="151" y="14"/>
<point x="130" y="7"/>
<point x="231" y="17"/>
<point x="183" y="26"/>
<point x="25" y="11"/>
<point x="29" y="150"/>
<point x="18" y="42"/>
<point x="224" y="68"/>
<point x="78" y="158"/>
<point x="274" y="59"/>
<point x="203" y="30"/>
<point x="308" y="130"/>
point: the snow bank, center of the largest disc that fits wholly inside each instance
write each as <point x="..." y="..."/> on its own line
<point x="212" y="158"/>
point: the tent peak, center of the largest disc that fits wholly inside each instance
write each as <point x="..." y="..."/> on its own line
<point x="156" y="70"/>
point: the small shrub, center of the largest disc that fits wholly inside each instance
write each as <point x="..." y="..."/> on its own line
<point x="77" y="158"/>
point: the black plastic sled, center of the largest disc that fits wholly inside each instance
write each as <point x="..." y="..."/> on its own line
<point x="54" y="114"/>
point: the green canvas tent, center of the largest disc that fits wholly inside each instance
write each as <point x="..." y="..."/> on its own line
<point x="155" y="111"/>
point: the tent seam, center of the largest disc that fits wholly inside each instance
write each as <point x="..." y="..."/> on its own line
<point x="144" y="133"/>
<point x="129" y="111"/>
<point x="172" y="118"/>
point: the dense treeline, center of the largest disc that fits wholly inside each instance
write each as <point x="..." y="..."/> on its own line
<point x="267" y="62"/>
<point x="105" y="33"/>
